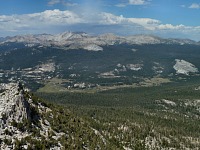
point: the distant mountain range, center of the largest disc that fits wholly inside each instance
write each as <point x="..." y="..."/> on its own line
<point x="77" y="40"/>
<point x="83" y="61"/>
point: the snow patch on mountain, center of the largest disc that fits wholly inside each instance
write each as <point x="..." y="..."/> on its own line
<point x="184" y="67"/>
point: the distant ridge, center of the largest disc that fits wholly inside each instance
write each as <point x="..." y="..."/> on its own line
<point x="77" y="40"/>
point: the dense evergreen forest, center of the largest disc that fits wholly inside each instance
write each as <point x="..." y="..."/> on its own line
<point x="165" y="116"/>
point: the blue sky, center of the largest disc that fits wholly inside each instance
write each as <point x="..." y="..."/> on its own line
<point x="165" y="18"/>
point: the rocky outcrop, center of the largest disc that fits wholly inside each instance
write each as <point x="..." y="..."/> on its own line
<point x="20" y="118"/>
<point x="13" y="109"/>
<point x="13" y="105"/>
<point x="26" y="122"/>
<point x="93" y="47"/>
<point x="184" y="67"/>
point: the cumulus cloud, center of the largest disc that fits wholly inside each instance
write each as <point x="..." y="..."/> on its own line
<point x="120" y="5"/>
<point x="63" y="2"/>
<point x="53" y="2"/>
<point x="53" y="17"/>
<point x="150" y="26"/>
<point x="194" y="6"/>
<point x="137" y="2"/>
<point x="147" y="23"/>
<point x="170" y="27"/>
<point x="69" y="4"/>
<point x="133" y="2"/>
<point x="58" y="21"/>
<point x="38" y="22"/>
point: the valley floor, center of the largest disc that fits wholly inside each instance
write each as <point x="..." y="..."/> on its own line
<point x="152" y="117"/>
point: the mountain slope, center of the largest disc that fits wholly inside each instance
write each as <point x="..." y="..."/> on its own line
<point x="79" y="40"/>
<point x="118" y="119"/>
<point x="145" y="118"/>
<point x="115" y="65"/>
<point x="28" y="123"/>
<point x="76" y="61"/>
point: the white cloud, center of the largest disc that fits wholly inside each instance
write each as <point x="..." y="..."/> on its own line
<point x="53" y="2"/>
<point x="110" y="19"/>
<point x="120" y="5"/>
<point x="53" y="17"/>
<point x="147" y="23"/>
<point x="194" y="6"/>
<point x="63" y="2"/>
<point x="57" y="21"/>
<point x="170" y="27"/>
<point x="69" y="4"/>
<point x="137" y="2"/>
<point x="133" y="2"/>
<point x="38" y="22"/>
<point x="152" y="26"/>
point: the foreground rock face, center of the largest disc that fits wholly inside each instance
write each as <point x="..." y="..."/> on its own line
<point x="29" y="123"/>
<point x="20" y="120"/>
<point x="13" y="108"/>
